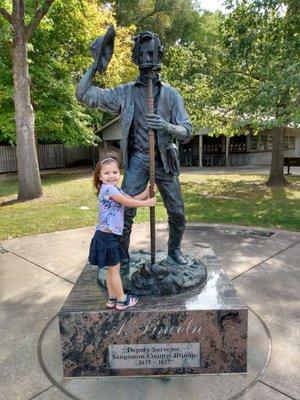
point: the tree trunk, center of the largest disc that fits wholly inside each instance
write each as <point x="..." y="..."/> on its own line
<point x="28" y="169"/>
<point x="276" y="177"/>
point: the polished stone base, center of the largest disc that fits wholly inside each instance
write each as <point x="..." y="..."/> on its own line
<point x="190" y="333"/>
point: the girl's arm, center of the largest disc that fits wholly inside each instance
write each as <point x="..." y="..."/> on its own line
<point x="133" y="202"/>
<point x="145" y="194"/>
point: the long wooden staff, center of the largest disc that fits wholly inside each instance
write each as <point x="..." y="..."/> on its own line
<point x="151" y="165"/>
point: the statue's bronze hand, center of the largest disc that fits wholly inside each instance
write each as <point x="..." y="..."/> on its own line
<point x="155" y="121"/>
<point x="102" y="49"/>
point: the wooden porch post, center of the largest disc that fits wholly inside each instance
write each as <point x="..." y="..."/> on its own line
<point x="227" y="151"/>
<point x="200" y="150"/>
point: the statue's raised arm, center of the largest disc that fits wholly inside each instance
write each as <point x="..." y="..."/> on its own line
<point x="106" y="99"/>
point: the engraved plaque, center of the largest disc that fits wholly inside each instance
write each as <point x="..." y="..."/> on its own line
<point x="161" y="355"/>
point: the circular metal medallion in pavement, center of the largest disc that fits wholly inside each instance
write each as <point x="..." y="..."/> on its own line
<point x="192" y="387"/>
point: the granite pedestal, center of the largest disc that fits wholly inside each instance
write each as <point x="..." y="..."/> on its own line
<point x="191" y="333"/>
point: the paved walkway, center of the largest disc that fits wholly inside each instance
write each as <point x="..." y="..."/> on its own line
<point x="38" y="272"/>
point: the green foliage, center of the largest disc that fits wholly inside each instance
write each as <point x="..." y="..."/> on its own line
<point x="240" y="69"/>
<point x="172" y="20"/>
<point x="232" y="70"/>
<point x="7" y="122"/>
<point x="192" y="67"/>
<point x="58" y="54"/>
<point x="260" y="62"/>
<point x="185" y="71"/>
<point x="192" y="42"/>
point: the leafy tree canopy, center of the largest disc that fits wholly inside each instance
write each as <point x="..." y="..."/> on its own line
<point x="58" y="54"/>
<point x="258" y="82"/>
<point x="192" y="68"/>
<point x="172" y="20"/>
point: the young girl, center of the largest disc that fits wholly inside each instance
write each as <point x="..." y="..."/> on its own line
<point x="105" y="250"/>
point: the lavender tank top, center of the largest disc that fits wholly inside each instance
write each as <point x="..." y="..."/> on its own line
<point x="111" y="213"/>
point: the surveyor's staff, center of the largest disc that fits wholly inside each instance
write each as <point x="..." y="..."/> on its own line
<point x="151" y="165"/>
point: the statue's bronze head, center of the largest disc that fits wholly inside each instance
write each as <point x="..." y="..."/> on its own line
<point x="147" y="51"/>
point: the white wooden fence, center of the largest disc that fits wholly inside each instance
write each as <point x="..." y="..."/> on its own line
<point x="49" y="156"/>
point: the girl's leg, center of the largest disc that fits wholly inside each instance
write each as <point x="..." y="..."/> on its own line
<point x="114" y="282"/>
<point x="115" y="290"/>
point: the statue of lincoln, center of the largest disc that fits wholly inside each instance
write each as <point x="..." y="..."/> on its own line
<point x="169" y="121"/>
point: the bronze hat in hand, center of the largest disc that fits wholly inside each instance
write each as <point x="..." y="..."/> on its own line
<point x="102" y="49"/>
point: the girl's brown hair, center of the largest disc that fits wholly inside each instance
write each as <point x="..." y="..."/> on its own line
<point x="106" y="156"/>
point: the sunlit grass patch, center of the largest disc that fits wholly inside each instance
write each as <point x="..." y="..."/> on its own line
<point x="69" y="202"/>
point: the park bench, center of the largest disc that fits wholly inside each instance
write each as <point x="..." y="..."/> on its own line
<point x="291" y="162"/>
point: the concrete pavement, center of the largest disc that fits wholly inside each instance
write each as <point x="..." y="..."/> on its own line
<point x="37" y="273"/>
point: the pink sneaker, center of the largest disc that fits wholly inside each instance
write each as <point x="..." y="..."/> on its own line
<point x="129" y="302"/>
<point x="111" y="303"/>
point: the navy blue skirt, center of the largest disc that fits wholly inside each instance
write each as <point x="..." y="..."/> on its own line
<point x="105" y="249"/>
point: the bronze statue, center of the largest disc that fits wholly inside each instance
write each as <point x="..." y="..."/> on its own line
<point x="169" y="121"/>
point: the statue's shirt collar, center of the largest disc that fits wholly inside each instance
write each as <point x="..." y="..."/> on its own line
<point x="156" y="81"/>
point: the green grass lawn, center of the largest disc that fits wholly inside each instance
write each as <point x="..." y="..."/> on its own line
<point x="230" y="198"/>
